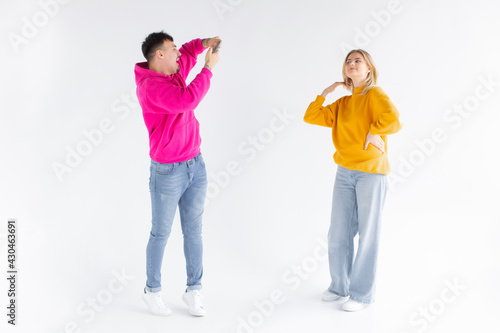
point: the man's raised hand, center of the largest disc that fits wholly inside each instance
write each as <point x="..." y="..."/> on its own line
<point x="211" y="42"/>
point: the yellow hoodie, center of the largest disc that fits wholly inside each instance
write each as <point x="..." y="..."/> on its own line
<point x="351" y="117"/>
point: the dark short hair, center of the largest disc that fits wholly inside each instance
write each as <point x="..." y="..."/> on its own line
<point x="153" y="42"/>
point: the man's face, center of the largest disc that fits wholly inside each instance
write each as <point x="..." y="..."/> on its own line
<point x="170" y="56"/>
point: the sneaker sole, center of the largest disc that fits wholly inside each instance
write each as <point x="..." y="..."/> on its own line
<point x="355" y="309"/>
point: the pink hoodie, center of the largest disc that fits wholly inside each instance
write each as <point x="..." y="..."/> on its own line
<point x="168" y="106"/>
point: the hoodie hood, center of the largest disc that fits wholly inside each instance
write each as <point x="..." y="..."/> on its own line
<point x="142" y="72"/>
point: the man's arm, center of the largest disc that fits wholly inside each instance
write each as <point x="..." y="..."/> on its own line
<point x="190" y="51"/>
<point x="167" y="98"/>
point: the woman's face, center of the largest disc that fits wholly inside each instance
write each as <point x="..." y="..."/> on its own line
<point x="356" y="67"/>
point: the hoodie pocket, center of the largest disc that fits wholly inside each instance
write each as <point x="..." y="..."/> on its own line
<point x="184" y="139"/>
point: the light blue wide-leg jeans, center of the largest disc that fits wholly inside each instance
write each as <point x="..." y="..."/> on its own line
<point x="182" y="184"/>
<point x="358" y="200"/>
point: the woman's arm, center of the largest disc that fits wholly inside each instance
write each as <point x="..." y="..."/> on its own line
<point x="388" y="120"/>
<point x="316" y="114"/>
<point x="334" y="86"/>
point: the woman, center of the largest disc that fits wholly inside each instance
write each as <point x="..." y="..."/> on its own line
<point x="360" y="124"/>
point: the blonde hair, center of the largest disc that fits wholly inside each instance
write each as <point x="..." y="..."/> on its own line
<point x="371" y="78"/>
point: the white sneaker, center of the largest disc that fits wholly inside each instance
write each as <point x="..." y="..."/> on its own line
<point x="156" y="303"/>
<point x="192" y="298"/>
<point x="353" y="306"/>
<point x="330" y="297"/>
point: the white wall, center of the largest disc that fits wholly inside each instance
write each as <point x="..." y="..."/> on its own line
<point x="76" y="70"/>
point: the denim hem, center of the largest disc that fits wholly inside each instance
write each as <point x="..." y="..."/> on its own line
<point x="195" y="287"/>
<point x="336" y="293"/>
<point x="363" y="302"/>
<point x="153" y="290"/>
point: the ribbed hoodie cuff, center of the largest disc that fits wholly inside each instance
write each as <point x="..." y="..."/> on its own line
<point x="207" y="72"/>
<point x="320" y="99"/>
<point x="199" y="46"/>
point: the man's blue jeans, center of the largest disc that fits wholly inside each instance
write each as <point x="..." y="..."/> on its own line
<point x="182" y="184"/>
<point x="358" y="200"/>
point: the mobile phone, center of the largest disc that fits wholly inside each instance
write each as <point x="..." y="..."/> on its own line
<point x="216" y="47"/>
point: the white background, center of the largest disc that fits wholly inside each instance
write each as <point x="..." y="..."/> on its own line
<point x="441" y="219"/>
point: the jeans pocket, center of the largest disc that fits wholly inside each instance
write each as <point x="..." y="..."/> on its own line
<point x="202" y="161"/>
<point x="165" y="168"/>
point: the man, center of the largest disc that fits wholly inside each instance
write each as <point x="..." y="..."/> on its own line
<point x="178" y="176"/>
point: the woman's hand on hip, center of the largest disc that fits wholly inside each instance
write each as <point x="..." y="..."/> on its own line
<point x="376" y="141"/>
